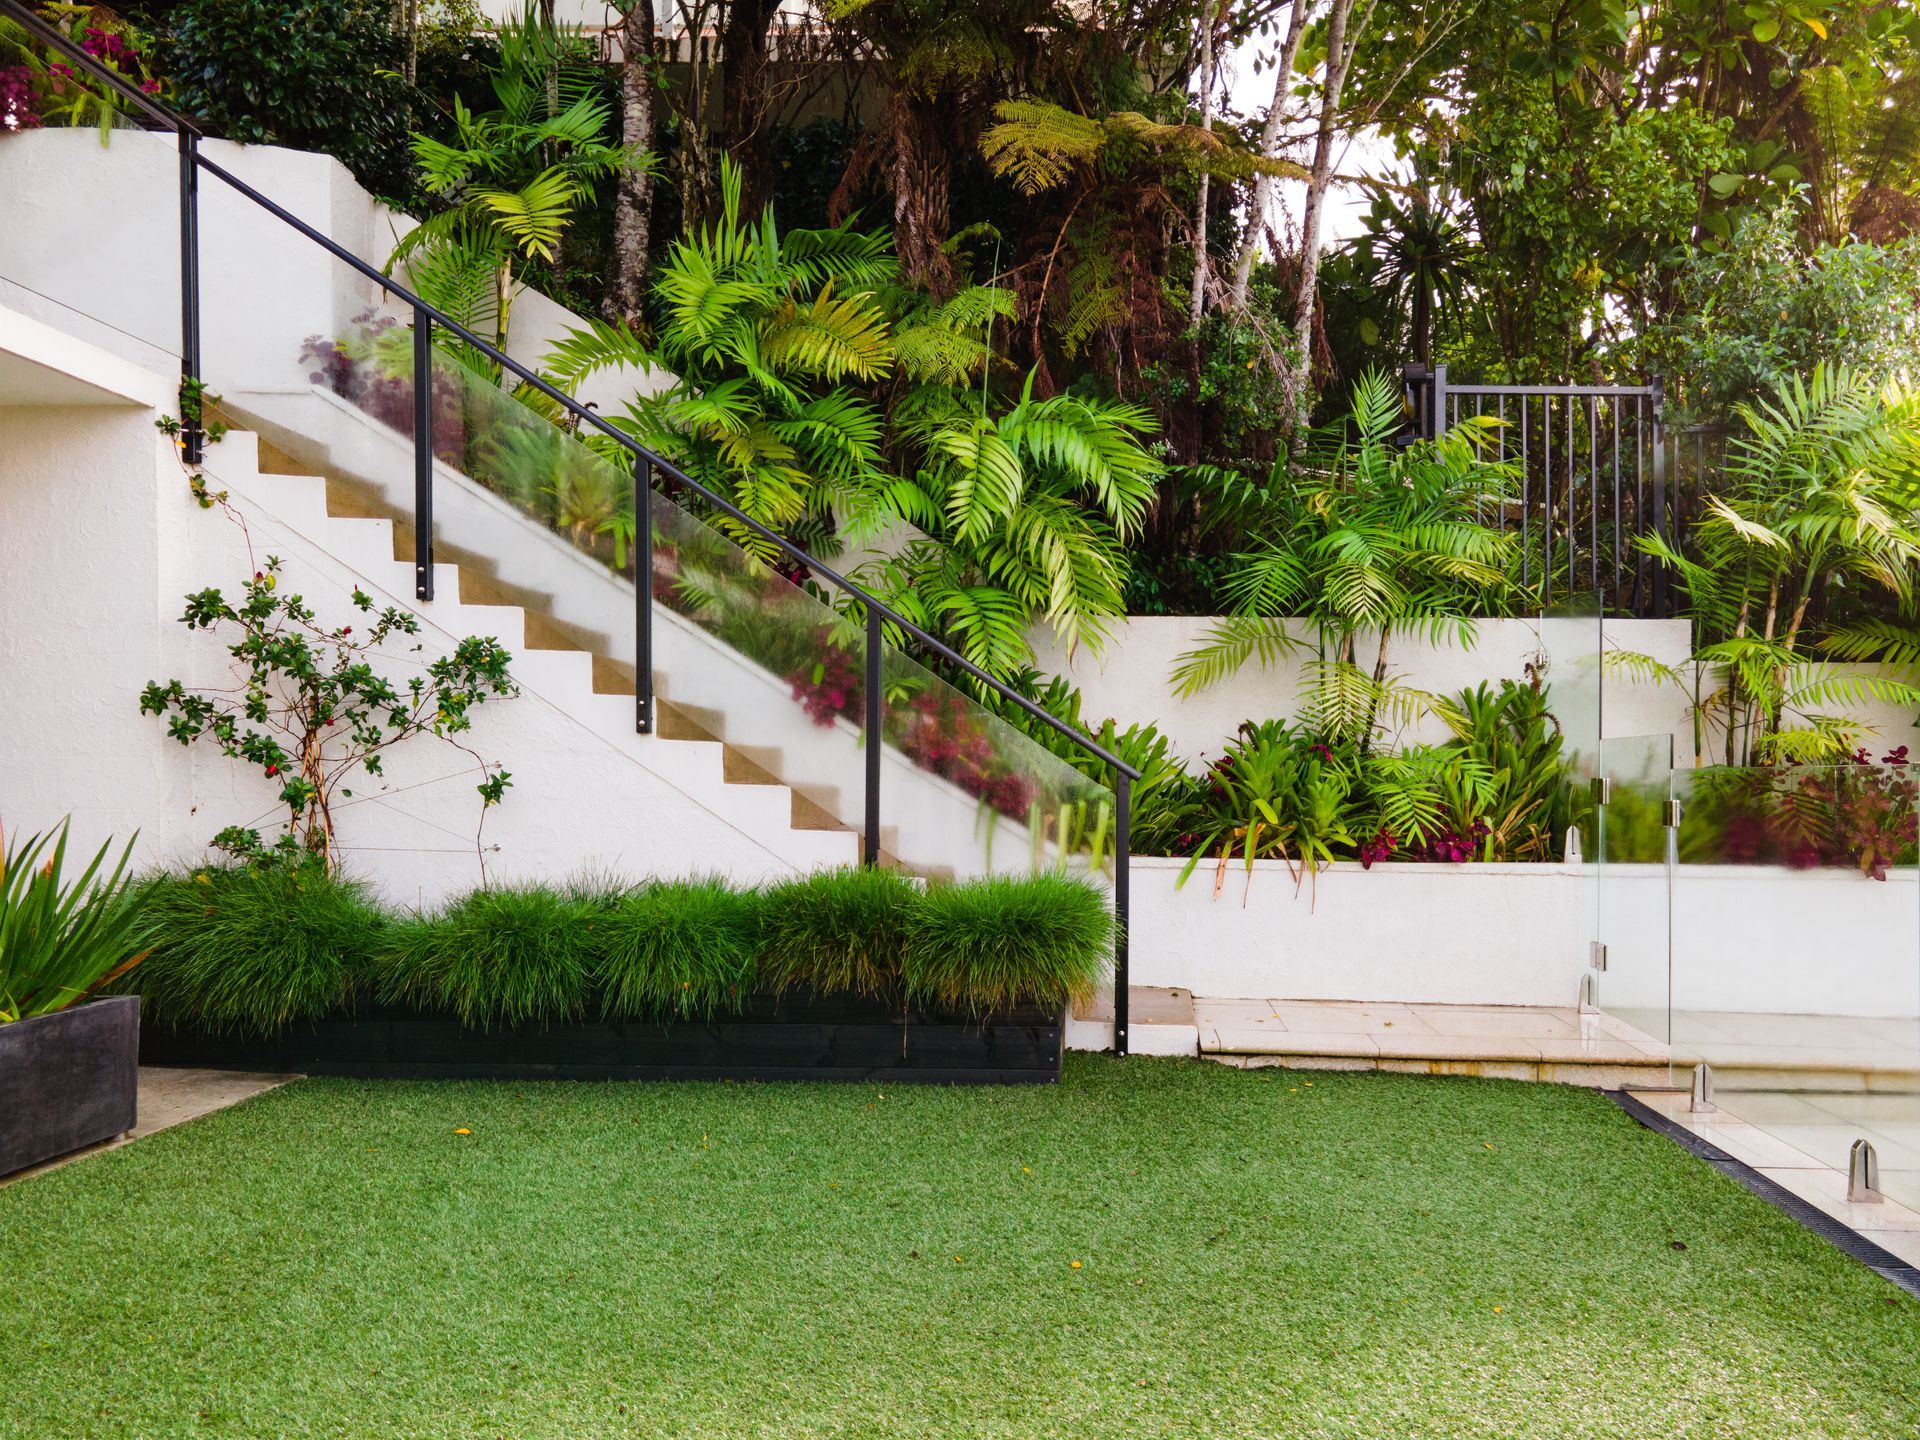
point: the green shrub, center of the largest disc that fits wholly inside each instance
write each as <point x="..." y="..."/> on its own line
<point x="512" y="956"/>
<point x="313" y="74"/>
<point x="838" y="930"/>
<point x="985" y="945"/>
<point x="677" y="948"/>
<point x="253" y="948"/>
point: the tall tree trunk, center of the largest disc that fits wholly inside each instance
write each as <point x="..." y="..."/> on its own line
<point x="626" y="294"/>
<point x="922" y="188"/>
<point x="1269" y="149"/>
<point x="550" y="32"/>
<point x="1209" y="75"/>
<point x="744" y="55"/>
<point x="1422" y="321"/>
<point x="1339" y="60"/>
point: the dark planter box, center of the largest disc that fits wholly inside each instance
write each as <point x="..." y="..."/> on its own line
<point x="67" y="1080"/>
<point x="788" y="1037"/>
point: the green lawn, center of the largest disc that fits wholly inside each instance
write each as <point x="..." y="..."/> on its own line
<point x="1259" y="1254"/>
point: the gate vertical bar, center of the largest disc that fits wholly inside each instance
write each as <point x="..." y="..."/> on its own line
<point x="1593" y="490"/>
<point x="642" y="595"/>
<point x="1619" y="420"/>
<point x="1439" y="427"/>
<point x="1573" y="521"/>
<point x="1546" y="485"/>
<point x="870" y="834"/>
<point x="1122" y="903"/>
<point x="192" y="432"/>
<point x="422" y="454"/>
<point x="1659" y="494"/>
<point x="1640" y="517"/>
<point x="1526" y="496"/>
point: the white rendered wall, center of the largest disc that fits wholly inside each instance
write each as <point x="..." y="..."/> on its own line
<point x="1446" y="934"/>
<point x="90" y="243"/>
<point x="1752" y="939"/>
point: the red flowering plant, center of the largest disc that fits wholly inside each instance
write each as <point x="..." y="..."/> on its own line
<point x="939" y="731"/>
<point x="1861" y="814"/>
<point x="39" y="88"/>
<point x="310" y="710"/>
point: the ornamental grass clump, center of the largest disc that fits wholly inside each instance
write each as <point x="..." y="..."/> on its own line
<point x="994" y="943"/>
<point x="251" y="949"/>
<point x="838" y="931"/>
<point x="511" y="956"/>
<point x="676" y="949"/>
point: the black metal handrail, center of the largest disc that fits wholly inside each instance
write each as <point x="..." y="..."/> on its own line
<point x="646" y="461"/>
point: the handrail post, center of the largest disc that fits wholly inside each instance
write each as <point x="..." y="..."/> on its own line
<point x="192" y="433"/>
<point x="642" y="595"/>
<point x="1438" y="396"/>
<point x="870" y="834"/>
<point x="1122" y="902"/>
<point x="422" y="453"/>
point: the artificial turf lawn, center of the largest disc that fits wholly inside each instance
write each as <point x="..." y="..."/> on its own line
<point x="1260" y="1254"/>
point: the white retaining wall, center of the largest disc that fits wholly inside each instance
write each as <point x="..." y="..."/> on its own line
<point x="1757" y="939"/>
<point x="90" y="243"/>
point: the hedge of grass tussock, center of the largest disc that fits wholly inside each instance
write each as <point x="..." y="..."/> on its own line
<point x="251" y="951"/>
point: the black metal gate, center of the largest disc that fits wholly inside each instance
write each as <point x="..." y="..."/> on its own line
<point x="1594" y="464"/>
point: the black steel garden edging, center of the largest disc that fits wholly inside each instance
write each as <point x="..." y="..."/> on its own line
<point x="786" y="1037"/>
<point x="68" y="1080"/>
<point x="1837" y="1233"/>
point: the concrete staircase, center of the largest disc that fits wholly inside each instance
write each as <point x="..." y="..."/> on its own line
<point x="552" y="659"/>
<point x="577" y="613"/>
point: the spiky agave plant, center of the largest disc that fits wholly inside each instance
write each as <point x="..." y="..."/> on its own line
<point x="62" y="941"/>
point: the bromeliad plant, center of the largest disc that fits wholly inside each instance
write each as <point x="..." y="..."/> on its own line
<point x="1854" y="814"/>
<point x="310" y="711"/>
<point x="62" y="941"/>
<point x="1312" y="793"/>
<point x="38" y="87"/>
